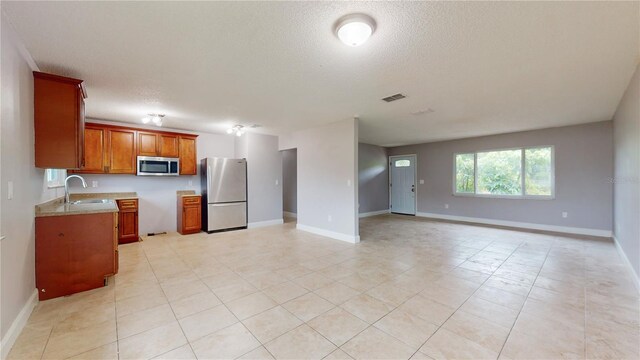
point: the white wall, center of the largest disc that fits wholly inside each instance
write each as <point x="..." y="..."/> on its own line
<point x="157" y="195"/>
<point x="264" y="178"/>
<point x="17" y="250"/>
<point x="373" y="179"/>
<point x="327" y="179"/>
<point x="626" y="180"/>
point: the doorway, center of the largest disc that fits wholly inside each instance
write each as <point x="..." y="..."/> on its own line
<point x="402" y="184"/>
<point x="290" y="185"/>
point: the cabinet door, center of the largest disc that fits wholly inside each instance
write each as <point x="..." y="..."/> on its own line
<point x="122" y="151"/>
<point x="128" y="227"/>
<point x="58" y="121"/>
<point x="147" y="144"/>
<point x="94" y="149"/>
<point x="169" y="146"/>
<point x="188" y="156"/>
<point x="191" y="218"/>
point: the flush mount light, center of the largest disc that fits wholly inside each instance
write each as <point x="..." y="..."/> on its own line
<point x="236" y="129"/>
<point x="154" y="118"/>
<point x="355" y="29"/>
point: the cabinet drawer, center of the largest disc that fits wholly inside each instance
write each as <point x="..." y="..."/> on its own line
<point x="191" y="200"/>
<point x="128" y="204"/>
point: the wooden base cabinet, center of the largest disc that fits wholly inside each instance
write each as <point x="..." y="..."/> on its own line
<point x="74" y="253"/>
<point x="128" y="221"/>
<point x="189" y="214"/>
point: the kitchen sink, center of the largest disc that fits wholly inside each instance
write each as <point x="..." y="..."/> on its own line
<point x="90" y="201"/>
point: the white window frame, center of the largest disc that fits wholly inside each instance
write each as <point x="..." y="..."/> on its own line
<point x="58" y="179"/>
<point x="522" y="177"/>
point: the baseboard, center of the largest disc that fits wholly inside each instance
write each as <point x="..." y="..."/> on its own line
<point x="258" y="224"/>
<point x="373" y="213"/>
<point x="18" y="324"/>
<point x="330" y="234"/>
<point x="521" y="225"/>
<point x="290" y="214"/>
<point x="623" y="255"/>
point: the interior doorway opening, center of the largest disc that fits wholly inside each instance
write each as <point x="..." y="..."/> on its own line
<point x="290" y="185"/>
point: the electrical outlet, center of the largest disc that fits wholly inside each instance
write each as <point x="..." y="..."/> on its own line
<point x="446" y="206"/>
<point x="190" y="182"/>
<point x="564" y="214"/>
<point x="94" y="183"/>
<point x="421" y="182"/>
<point x="348" y="182"/>
<point x="277" y="182"/>
<point x="329" y="218"/>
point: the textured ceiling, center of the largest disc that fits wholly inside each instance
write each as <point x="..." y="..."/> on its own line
<point x="482" y="67"/>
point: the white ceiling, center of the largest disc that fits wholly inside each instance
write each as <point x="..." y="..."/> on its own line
<point x="484" y="68"/>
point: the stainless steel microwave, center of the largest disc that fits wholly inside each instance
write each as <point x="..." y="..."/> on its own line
<point x="158" y="166"/>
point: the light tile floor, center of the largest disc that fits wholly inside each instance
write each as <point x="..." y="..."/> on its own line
<point x="412" y="288"/>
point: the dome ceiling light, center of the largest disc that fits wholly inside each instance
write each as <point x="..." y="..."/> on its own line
<point x="355" y="29"/>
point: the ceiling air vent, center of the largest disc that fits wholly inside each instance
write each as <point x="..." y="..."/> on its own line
<point x="394" y="97"/>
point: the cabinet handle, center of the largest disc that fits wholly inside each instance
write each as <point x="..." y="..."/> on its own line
<point x="61" y="234"/>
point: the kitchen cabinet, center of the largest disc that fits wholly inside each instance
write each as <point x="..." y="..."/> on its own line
<point x="95" y="161"/>
<point x="58" y="121"/>
<point x="114" y="149"/>
<point x="188" y="162"/>
<point x="189" y="214"/>
<point x="169" y="146"/>
<point x="75" y="253"/>
<point x="147" y="144"/>
<point x="127" y="221"/>
<point x="121" y="151"/>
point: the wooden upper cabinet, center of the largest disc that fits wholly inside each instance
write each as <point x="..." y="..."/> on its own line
<point x="113" y="149"/>
<point x="94" y="150"/>
<point x="188" y="155"/>
<point x="58" y="121"/>
<point x="147" y="143"/>
<point x="122" y="151"/>
<point x="169" y="146"/>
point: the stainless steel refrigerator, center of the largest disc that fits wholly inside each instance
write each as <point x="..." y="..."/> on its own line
<point x="224" y="194"/>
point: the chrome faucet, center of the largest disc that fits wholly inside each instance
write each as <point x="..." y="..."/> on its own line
<point x="66" y="186"/>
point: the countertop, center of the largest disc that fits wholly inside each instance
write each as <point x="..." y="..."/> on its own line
<point x="57" y="207"/>
<point x="112" y="196"/>
<point x="183" y="193"/>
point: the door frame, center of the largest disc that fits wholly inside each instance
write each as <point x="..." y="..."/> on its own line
<point x="415" y="181"/>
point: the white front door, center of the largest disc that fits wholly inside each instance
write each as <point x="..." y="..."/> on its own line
<point x="402" y="186"/>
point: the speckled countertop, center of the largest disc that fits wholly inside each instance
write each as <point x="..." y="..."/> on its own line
<point x="112" y="196"/>
<point x="187" y="193"/>
<point x="57" y="207"/>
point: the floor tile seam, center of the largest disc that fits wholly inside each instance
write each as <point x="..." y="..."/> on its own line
<point x="458" y="309"/>
<point x="521" y="307"/>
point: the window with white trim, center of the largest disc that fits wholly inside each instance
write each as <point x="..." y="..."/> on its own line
<point x="508" y="173"/>
<point x="55" y="177"/>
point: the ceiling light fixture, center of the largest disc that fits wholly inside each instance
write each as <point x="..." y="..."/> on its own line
<point x="155" y="118"/>
<point x="236" y="129"/>
<point x="355" y="29"/>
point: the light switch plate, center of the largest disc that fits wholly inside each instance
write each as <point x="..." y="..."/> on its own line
<point x="94" y="183"/>
<point x="421" y="182"/>
<point x="277" y="182"/>
<point x="9" y="190"/>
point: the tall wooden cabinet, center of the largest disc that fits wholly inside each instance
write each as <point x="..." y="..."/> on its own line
<point x="58" y="121"/>
<point x="121" y="151"/>
<point x="127" y="221"/>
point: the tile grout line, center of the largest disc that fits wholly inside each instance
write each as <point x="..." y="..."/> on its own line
<point x="526" y="298"/>
<point x="458" y="308"/>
